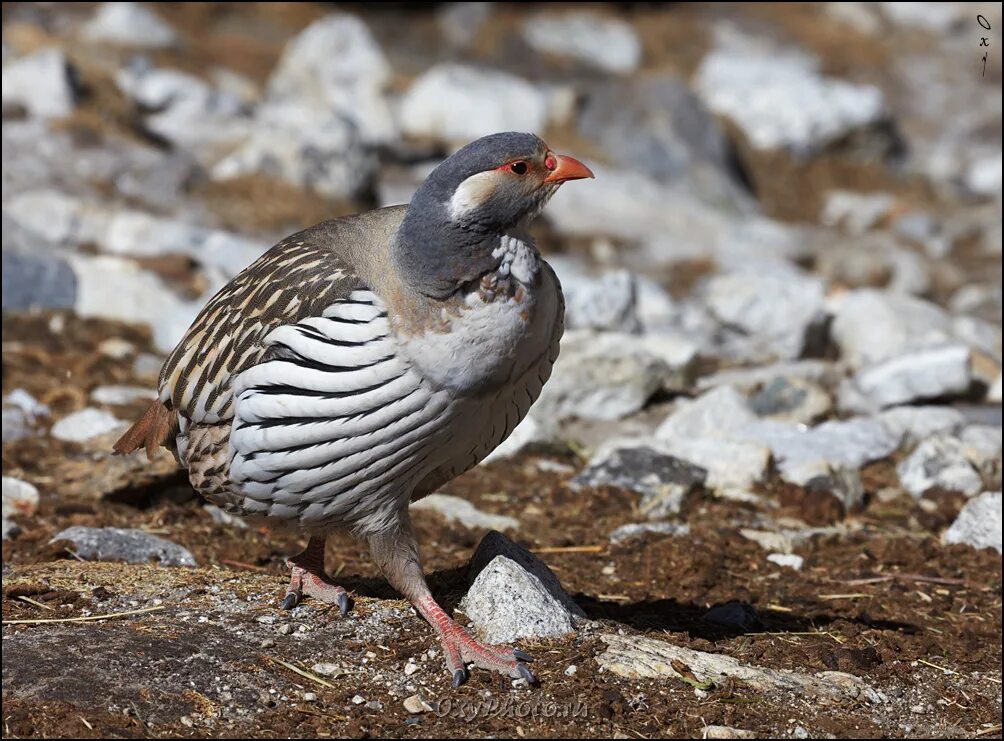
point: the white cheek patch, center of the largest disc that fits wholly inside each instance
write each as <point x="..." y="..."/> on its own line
<point x="472" y="193"/>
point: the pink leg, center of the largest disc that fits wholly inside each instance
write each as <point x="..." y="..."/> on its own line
<point x="307" y="579"/>
<point x="396" y="553"/>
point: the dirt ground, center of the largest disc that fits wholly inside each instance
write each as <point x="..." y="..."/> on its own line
<point x="879" y="597"/>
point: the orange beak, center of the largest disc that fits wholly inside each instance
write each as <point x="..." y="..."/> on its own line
<point x="565" y="168"/>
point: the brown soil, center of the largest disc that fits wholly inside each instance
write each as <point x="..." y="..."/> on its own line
<point x="879" y="597"/>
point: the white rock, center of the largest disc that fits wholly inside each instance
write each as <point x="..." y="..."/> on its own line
<point x="939" y="18"/>
<point x="871" y="326"/>
<point x="914" y="424"/>
<point x="514" y="595"/>
<point x="979" y="523"/>
<point x="775" y="308"/>
<point x="820" y="372"/>
<point x="122" y="394"/>
<point x="129" y="24"/>
<point x="21" y="413"/>
<point x="733" y="466"/>
<point x="925" y="373"/>
<point x="607" y="43"/>
<point x="86" y="424"/>
<point x="604" y="302"/>
<point x="292" y="141"/>
<point x="129" y="545"/>
<point x="461" y="22"/>
<point x="717" y="413"/>
<point x="226" y="519"/>
<point x="335" y="66"/>
<point x="780" y="101"/>
<point x="460" y="510"/>
<point x="458" y="103"/>
<point x="604" y="375"/>
<point x="941" y="462"/>
<point x="41" y="83"/>
<point x="19" y="498"/>
<point x="855" y="212"/>
<point x="789" y="560"/>
<point x="637" y="529"/>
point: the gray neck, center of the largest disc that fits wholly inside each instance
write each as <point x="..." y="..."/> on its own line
<point x="436" y="256"/>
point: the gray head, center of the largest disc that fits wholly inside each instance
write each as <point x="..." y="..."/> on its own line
<point x="482" y="191"/>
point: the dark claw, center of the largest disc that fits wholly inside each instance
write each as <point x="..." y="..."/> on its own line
<point x="343" y="603"/>
<point x="459" y="677"/>
<point x="521" y="655"/>
<point x="526" y="673"/>
<point x="289" y="601"/>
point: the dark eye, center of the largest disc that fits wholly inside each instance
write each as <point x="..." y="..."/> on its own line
<point x="519" y="168"/>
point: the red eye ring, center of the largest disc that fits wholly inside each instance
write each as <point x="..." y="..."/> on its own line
<point x="520" y="168"/>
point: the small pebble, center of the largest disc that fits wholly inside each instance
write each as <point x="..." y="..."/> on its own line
<point x="267" y="643"/>
<point x="570" y="670"/>
<point x="285" y="629"/>
<point x="410" y="668"/>
<point x="918" y="709"/>
<point x="358" y="700"/>
<point x="414" y="704"/>
<point x="309" y="696"/>
<point x="374" y="705"/>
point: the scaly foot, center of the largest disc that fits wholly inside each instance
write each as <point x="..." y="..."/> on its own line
<point x="307" y="579"/>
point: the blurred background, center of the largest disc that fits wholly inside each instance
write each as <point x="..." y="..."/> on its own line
<point x="783" y="358"/>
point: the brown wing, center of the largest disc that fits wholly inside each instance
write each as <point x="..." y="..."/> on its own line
<point x="297" y="278"/>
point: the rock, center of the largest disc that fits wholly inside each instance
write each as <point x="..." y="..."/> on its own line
<point x="122" y="394"/>
<point x="461" y="22"/>
<point x="941" y="462"/>
<point x="514" y="595"/>
<point x="937" y="18"/>
<point x="415" y="704"/>
<point x="42" y="83"/>
<point x="725" y="732"/>
<point x="608" y="44"/>
<point x="119" y="544"/>
<point x="788" y="560"/>
<point x="657" y="123"/>
<point x="979" y="523"/>
<point x="637" y="657"/>
<point x="85" y="424"/>
<point x="65" y="219"/>
<point x="35" y="275"/>
<point x="129" y="24"/>
<point x="663" y="481"/>
<point x="733" y="466"/>
<point x="336" y="69"/>
<point x="19" y="499"/>
<point x="224" y="518"/>
<point x="638" y="529"/>
<point x="455" y="509"/>
<point x="605" y="302"/>
<point x="818" y="372"/>
<point x="456" y="103"/>
<point x="21" y="415"/>
<point x="600" y="376"/>
<point x="871" y="326"/>
<point x="735" y="615"/>
<point x="855" y="212"/>
<point x="916" y="423"/>
<point x="925" y="373"/>
<point x="185" y="110"/>
<point x="774" y="308"/>
<point x="322" y="152"/>
<point x="781" y="102"/>
<point x="983" y="448"/>
<point x="792" y="400"/>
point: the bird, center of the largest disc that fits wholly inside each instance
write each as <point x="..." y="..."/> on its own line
<point x="362" y="363"/>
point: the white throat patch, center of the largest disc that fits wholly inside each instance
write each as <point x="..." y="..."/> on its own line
<point x="471" y="194"/>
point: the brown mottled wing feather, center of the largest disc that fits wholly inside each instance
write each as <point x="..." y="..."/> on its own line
<point x="295" y="279"/>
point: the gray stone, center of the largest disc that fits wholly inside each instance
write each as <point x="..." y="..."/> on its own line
<point x="606" y="43"/>
<point x="19" y="498"/>
<point x="914" y="424"/>
<point x="717" y="413"/>
<point x="774" y="308"/>
<point x="600" y="376"/>
<point x="129" y="24"/>
<point x="983" y="447"/>
<point x="35" y="275"/>
<point x="336" y="70"/>
<point x="788" y="560"/>
<point x="456" y="103"/>
<point x="819" y="372"/>
<point x="662" y="480"/>
<point x="659" y="125"/>
<point x="119" y="544"/>
<point x="41" y="83"/>
<point x="220" y="517"/>
<point x="85" y="424"/>
<point x="940" y="462"/>
<point x="733" y="466"/>
<point x="735" y="615"/>
<point x="638" y="529"/>
<point x="792" y="400"/>
<point x="855" y="212"/>
<point x="455" y="509"/>
<point x="871" y="326"/>
<point x="514" y="595"/>
<point x="781" y="102"/>
<point x="979" y="523"/>
<point x="924" y="373"/>
<point x="21" y="415"/>
<point x="726" y="732"/>
<point x="604" y="302"/>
